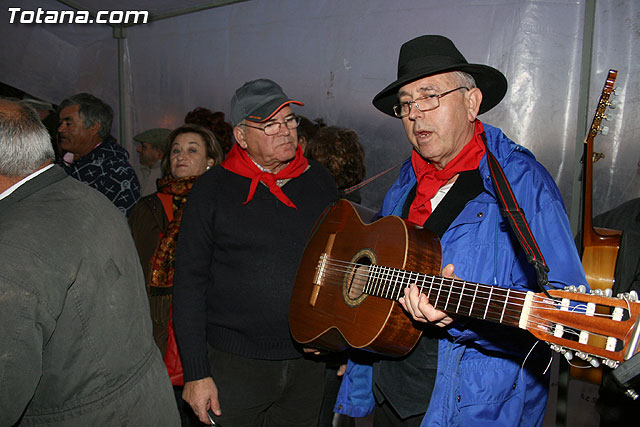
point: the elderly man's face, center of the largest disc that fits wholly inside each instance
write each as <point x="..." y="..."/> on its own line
<point x="271" y="152"/>
<point x="439" y="135"/>
<point x="149" y="155"/>
<point x="73" y="137"/>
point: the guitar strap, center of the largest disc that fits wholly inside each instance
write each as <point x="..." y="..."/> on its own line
<point x="467" y="187"/>
<point x="512" y="212"/>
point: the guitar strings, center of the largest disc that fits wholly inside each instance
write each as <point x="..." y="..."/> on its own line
<point x="514" y="296"/>
<point x="543" y="326"/>
<point x="364" y="273"/>
<point x="337" y="280"/>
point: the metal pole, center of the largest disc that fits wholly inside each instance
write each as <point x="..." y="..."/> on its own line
<point x="583" y="113"/>
<point x="120" y="34"/>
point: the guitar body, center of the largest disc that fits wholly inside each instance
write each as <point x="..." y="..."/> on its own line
<point x="329" y="310"/>
<point x="600" y="256"/>
<point x="599" y="259"/>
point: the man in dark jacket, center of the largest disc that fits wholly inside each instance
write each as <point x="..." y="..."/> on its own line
<point x="76" y="347"/>
<point x="91" y="155"/>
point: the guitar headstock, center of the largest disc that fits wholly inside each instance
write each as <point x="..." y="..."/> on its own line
<point x="603" y="103"/>
<point x="594" y="327"/>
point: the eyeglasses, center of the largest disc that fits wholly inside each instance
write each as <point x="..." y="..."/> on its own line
<point x="274" y="127"/>
<point x="424" y="103"/>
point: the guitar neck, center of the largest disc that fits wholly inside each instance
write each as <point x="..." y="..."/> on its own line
<point x="453" y="296"/>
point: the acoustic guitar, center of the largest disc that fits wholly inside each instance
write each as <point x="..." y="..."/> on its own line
<point x="600" y="246"/>
<point x="352" y="275"/>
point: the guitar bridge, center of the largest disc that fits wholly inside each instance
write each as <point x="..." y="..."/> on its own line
<point x="320" y="269"/>
<point x="322" y="263"/>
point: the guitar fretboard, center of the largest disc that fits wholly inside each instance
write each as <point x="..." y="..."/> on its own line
<point x="455" y="296"/>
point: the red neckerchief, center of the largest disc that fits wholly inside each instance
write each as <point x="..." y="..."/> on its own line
<point x="430" y="179"/>
<point x="239" y="162"/>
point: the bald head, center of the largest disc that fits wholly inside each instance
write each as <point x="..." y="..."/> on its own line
<point x="25" y="145"/>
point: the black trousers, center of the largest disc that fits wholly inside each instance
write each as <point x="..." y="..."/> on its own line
<point x="268" y="393"/>
<point x="385" y="416"/>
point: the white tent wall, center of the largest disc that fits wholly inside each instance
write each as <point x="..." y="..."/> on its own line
<point x="336" y="55"/>
<point x="53" y="61"/>
<point x="617" y="45"/>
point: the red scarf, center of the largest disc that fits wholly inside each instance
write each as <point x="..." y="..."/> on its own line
<point x="239" y="162"/>
<point x="430" y="179"/>
<point x="163" y="260"/>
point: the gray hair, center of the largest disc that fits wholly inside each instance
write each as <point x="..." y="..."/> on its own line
<point x="25" y="143"/>
<point x="464" y="79"/>
<point x="90" y="110"/>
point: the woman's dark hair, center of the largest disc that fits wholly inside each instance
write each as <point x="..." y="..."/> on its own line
<point x="222" y="130"/>
<point x="211" y="144"/>
<point x="341" y="152"/>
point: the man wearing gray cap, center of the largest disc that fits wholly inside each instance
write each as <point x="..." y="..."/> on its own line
<point x="242" y="235"/>
<point x="152" y="144"/>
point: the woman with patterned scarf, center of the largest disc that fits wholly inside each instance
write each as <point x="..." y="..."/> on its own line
<point x="155" y="222"/>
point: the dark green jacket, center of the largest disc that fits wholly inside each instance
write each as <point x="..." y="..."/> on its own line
<point x="75" y="344"/>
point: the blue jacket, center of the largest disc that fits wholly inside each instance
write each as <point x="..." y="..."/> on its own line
<point x="482" y="376"/>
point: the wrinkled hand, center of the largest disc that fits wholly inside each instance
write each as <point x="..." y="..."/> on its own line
<point x="418" y="306"/>
<point x="201" y="395"/>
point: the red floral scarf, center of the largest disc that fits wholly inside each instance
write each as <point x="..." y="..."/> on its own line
<point x="430" y="179"/>
<point x="163" y="260"/>
<point x="239" y="162"/>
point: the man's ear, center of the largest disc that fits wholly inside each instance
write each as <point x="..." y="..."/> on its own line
<point x="474" y="99"/>
<point x="238" y="133"/>
<point x="94" y="128"/>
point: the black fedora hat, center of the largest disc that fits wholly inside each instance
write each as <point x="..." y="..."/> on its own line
<point x="431" y="54"/>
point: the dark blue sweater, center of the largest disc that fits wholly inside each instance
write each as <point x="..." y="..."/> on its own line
<point x="236" y="264"/>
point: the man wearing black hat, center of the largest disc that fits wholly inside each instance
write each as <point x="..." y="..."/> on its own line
<point x="241" y="238"/>
<point x="463" y="371"/>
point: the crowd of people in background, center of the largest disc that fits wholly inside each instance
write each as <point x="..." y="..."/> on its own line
<point x="152" y="194"/>
<point x="219" y="213"/>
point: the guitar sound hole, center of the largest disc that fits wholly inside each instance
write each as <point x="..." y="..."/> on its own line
<point x="357" y="278"/>
<point x="358" y="281"/>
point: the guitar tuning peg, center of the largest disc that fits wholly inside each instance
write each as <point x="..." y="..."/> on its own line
<point x="604" y="130"/>
<point x="633" y="296"/>
<point x="582" y="355"/>
<point x="568" y="355"/>
<point x="594" y="362"/>
<point x="582" y="289"/>
<point x="612" y="104"/>
<point x="608" y="292"/>
<point x="571" y="288"/>
<point x="610" y="363"/>
<point x="597" y="292"/>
